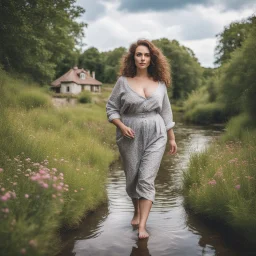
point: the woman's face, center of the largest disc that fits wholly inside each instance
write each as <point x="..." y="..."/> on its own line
<point x="142" y="57"/>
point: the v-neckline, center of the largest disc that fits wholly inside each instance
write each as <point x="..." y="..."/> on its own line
<point x="145" y="98"/>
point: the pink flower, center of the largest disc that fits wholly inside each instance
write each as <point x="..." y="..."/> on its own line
<point x="42" y="172"/>
<point x="23" y="251"/>
<point x="45" y="185"/>
<point x="59" y="187"/>
<point x="237" y="186"/>
<point x="212" y="182"/>
<point x="53" y="196"/>
<point x="33" y="243"/>
<point x="1" y="169"/>
<point x="26" y="195"/>
<point x="6" y="210"/>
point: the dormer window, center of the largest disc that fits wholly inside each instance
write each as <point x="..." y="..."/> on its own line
<point x="82" y="76"/>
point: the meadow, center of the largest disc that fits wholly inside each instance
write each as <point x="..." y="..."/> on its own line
<point x="53" y="165"/>
<point x="220" y="183"/>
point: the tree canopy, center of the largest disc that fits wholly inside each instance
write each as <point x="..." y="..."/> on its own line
<point x="36" y="35"/>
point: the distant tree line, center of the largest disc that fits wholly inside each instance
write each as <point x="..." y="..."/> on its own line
<point x="230" y="89"/>
<point x="43" y="40"/>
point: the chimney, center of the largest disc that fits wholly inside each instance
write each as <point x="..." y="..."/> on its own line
<point x="93" y="74"/>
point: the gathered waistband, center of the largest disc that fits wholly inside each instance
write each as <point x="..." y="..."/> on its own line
<point x="141" y="114"/>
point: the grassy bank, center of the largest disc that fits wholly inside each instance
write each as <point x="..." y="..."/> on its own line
<point x="53" y="166"/>
<point x="220" y="183"/>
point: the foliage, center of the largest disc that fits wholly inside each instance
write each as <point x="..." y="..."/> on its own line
<point x="53" y="167"/>
<point x="220" y="183"/>
<point x="186" y="71"/>
<point x="37" y="35"/>
<point x="90" y="59"/>
<point x="33" y="99"/>
<point x="85" y="97"/>
<point x="237" y="84"/>
<point x="232" y="38"/>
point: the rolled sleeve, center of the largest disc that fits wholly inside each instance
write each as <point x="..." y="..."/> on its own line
<point x="113" y="102"/>
<point x="166" y="112"/>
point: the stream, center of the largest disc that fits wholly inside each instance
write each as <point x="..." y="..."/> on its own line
<point x="172" y="230"/>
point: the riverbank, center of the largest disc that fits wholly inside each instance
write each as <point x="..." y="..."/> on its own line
<point x="220" y="183"/>
<point x="53" y="166"/>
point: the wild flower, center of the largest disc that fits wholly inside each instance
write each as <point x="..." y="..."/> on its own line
<point x="234" y="160"/>
<point x="218" y="174"/>
<point x="1" y="169"/>
<point x="212" y="182"/>
<point x="33" y="243"/>
<point x="237" y="187"/>
<point x="23" y="251"/>
<point x="26" y="196"/>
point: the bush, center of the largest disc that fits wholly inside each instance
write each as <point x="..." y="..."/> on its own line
<point x="207" y="113"/>
<point x="238" y="127"/>
<point x="85" y="97"/>
<point x="33" y="99"/>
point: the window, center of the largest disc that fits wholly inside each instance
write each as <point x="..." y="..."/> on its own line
<point x="67" y="88"/>
<point x="82" y="75"/>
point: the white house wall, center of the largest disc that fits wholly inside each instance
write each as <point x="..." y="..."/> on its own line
<point x="73" y="88"/>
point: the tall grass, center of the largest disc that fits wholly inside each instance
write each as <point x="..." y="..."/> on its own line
<point x="68" y="152"/>
<point x="221" y="182"/>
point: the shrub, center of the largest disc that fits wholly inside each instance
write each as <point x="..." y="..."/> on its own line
<point x="85" y="97"/>
<point x="33" y="99"/>
<point x="207" y="113"/>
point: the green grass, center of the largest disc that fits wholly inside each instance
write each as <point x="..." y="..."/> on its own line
<point x="220" y="183"/>
<point x="76" y="141"/>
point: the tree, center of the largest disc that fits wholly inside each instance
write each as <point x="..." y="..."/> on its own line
<point x="112" y="63"/>
<point x="186" y="71"/>
<point x="91" y="60"/>
<point x="37" y="35"/>
<point x="238" y="86"/>
<point x="232" y="38"/>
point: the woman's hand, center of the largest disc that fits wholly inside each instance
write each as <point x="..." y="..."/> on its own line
<point x="173" y="147"/>
<point x="128" y="132"/>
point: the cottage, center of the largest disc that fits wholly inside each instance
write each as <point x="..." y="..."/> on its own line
<point x="75" y="81"/>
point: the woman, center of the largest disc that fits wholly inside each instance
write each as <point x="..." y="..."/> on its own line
<point x="140" y="109"/>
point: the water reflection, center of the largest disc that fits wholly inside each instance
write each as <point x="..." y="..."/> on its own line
<point x="173" y="231"/>
<point x="141" y="249"/>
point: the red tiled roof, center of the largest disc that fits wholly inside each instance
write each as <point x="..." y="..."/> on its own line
<point x="73" y="75"/>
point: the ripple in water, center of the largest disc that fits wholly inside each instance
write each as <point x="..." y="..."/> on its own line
<point x="172" y="230"/>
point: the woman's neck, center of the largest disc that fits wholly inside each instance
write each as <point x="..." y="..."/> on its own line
<point x="142" y="73"/>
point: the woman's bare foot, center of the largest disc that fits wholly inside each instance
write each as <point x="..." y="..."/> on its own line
<point x="143" y="233"/>
<point x="136" y="219"/>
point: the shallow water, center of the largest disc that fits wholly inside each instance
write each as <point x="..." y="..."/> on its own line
<point x="173" y="231"/>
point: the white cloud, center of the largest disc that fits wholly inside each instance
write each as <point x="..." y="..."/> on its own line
<point x="194" y="26"/>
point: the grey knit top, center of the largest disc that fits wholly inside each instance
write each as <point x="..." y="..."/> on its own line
<point x="124" y="100"/>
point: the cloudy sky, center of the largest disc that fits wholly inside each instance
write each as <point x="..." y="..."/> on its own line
<point x="194" y="23"/>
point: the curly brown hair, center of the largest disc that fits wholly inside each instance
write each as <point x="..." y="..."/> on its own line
<point x="159" y="68"/>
